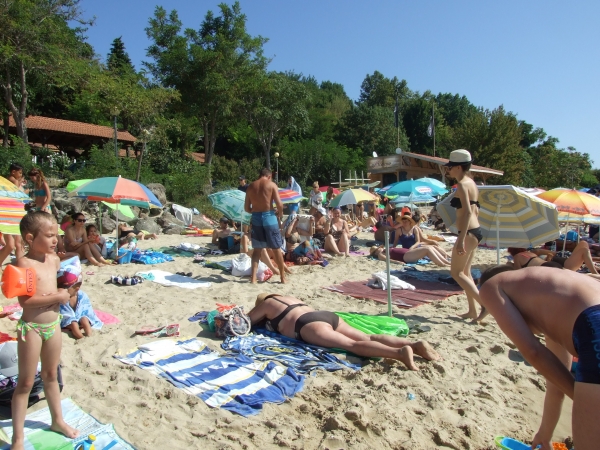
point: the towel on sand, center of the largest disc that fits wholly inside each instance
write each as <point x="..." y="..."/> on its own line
<point x="298" y="355"/>
<point x="39" y="436"/>
<point x="171" y="279"/>
<point x="238" y="384"/>
<point x="379" y="280"/>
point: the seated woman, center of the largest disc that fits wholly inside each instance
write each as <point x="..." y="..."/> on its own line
<point x="337" y="235"/>
<point x="409" y="235"/>
<point x="96" y="239"/>
<point x="292" y="318"/>
<point x="530" y="258"/>
<point x="125" y="231"/>
<point x="436" y="220"/>
<point x="412" y="255"/>
<point x="76" y="240"/>
<point x="297" y="251"/>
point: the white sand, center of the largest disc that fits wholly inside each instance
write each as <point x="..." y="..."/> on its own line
<point x="481" y="389"/>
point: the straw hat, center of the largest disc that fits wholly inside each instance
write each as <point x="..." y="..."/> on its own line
<point x="261" y="298"/>
<point x="406" y="216"/>
<point x="459" y="157"/>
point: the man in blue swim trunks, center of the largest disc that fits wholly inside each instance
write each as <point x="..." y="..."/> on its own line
<point x="265" y="233"/>
<point x="564" y="306"/>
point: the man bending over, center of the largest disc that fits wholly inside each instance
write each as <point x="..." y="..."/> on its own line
<point x="565" y="307"/>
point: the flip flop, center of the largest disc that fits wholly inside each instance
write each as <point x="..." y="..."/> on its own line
<point x="90" y="273"/>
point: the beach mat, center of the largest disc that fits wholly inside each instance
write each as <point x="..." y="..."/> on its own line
<point x="238" y="384"/>
<point x="425" y="292"/>
<point x="172" y="279"/>
<point x="39" y="437"/>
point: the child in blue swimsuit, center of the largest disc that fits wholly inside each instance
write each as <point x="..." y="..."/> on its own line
<point x="38" y="330"/>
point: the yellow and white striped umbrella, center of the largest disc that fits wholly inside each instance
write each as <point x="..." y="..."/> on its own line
<point x="509" y="217"/>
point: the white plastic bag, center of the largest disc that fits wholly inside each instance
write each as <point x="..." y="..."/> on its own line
<point x="379" y="280"/>
<point x="241" y="266"/>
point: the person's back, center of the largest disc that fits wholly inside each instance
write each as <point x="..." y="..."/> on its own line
<point x="565" y="307"/>
<point x="260" y="194"/>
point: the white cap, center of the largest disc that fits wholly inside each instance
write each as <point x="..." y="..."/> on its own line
<point x="458" y="157"/>
<point x="321" y="210"/>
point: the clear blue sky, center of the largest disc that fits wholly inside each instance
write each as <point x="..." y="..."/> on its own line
<point x="540" y="59"/>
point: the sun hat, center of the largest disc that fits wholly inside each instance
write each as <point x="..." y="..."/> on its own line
<point x="406" y="216"/>
<point x="321" y="210"/>
<point x="374" y="249"/>
<point x="262" y="297"/>
<point x="458" y="157"/>
<point x="9" y="366"/>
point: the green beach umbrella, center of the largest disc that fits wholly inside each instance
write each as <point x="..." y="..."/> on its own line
<point x="231" y="204"/>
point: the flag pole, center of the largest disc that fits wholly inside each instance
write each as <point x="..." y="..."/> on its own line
<point x="433" y="120"/>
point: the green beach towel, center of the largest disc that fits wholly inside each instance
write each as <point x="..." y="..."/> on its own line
<point x="376" y="324"/>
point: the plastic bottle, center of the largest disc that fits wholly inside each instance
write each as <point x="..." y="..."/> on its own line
<point x="553" y="247"/>
<point x="88" y="444"/>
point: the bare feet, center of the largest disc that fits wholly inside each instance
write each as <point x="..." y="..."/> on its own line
<point x="406" y="356"/>
<point x="425" y="350"/>
<point x="479" y="319"/>
<point x="283" y="280"/>
<point x="253" y="280"/>
<point x="288" y="271"/>
<point x="63" y="428"/>
<point x="469" y="315"/>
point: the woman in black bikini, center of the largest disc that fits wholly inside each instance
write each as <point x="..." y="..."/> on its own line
<point x="531" y="258"/>
<point x="292" y="318"/>
<point x="337" y="234"/>
<point x="469" y="235"/>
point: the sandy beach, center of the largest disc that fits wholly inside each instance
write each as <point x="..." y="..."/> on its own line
<point x="481" y="389"/>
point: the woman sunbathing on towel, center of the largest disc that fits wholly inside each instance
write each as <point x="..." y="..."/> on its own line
<point x="292" y="318"/>
<point x="530" y="258"/>
<point x="412" y="255"/>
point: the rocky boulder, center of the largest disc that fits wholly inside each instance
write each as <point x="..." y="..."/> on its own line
<point x="108" y="225"/>
<point x="148" y="225"/>
<point x="174" y="229"/>
<point x="168" y="219"/>
<point x="66" y="204"/>
<point x="198" y="221"/>
<point x="158" y="190"/>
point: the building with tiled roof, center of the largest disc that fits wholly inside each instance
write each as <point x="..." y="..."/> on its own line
<point x="70" y="136"/>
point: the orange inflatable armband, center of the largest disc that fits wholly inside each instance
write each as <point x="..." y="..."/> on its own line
<point x="18" y="281"/>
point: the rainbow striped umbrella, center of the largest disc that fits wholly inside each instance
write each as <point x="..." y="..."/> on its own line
<point x="289" y="196"/>
<point x="11" y="213"/>
<point x="352" y="197"/>
<point x="9" y="190"/>
<point x="117" y="190"/>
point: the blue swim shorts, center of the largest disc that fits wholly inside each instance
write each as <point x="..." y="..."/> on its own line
<point x="265" y="230"/>
<point x="586" y="340"/>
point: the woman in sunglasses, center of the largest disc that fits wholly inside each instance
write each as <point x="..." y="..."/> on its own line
<point x="76" y="240"/>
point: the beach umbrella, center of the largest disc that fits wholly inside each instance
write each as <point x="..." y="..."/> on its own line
<point x="9" y="190"/>
<point x="573" y="203"/>
<point x="123" y="209"/>
<point x="117" y="190"/>
<point x="508" y="217"/>
<point x="415" y="187"/>
<point x="410" y="199"/>
<point x="231" y="204"/>
<point x="289" y="196"/>
<point x="532" y="191"/>
<point x="352" y="197"/>
<point x="11" y="213"/>
<point x="433" y="182"/>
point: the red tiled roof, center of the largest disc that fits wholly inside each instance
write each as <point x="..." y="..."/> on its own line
<point x="72" y="127"/>
<point x="199" y="157"/>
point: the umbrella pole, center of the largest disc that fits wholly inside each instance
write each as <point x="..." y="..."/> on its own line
<point x="387" y="270"/>
<point x="566" y="231"/>
<point x="498" y="234"/>
<point x="100" y="217"/>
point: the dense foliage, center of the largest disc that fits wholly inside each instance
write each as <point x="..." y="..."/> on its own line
<point x="209" y="90"/>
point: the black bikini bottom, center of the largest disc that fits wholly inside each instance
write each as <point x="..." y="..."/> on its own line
<point x="315" y="316"/>
<point x="475" y="232"/>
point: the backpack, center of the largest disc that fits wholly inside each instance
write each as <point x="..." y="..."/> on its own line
<point x="7" y="391"/>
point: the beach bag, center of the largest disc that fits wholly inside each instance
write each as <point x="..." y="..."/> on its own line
<point x="232" y="322"/>
<point x="242" y="267"/>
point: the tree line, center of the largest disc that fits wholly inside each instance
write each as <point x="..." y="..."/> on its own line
<point x="209" y="89"/>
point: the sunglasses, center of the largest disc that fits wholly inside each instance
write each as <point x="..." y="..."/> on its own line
<point x="80" y="220"/>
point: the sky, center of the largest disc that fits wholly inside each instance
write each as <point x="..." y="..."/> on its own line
<point x="540" y="59"/>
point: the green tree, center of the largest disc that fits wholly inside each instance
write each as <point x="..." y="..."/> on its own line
<point x="34" y="39"/>
<point x="377" y="90"/>
<point x="118" y="60"/>
<point x="371" y="129"/>
<point x="207" y="66"/>
<point x="274" y="104"/>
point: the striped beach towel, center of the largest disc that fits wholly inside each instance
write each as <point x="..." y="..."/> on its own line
<point x="238" y="384"/>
